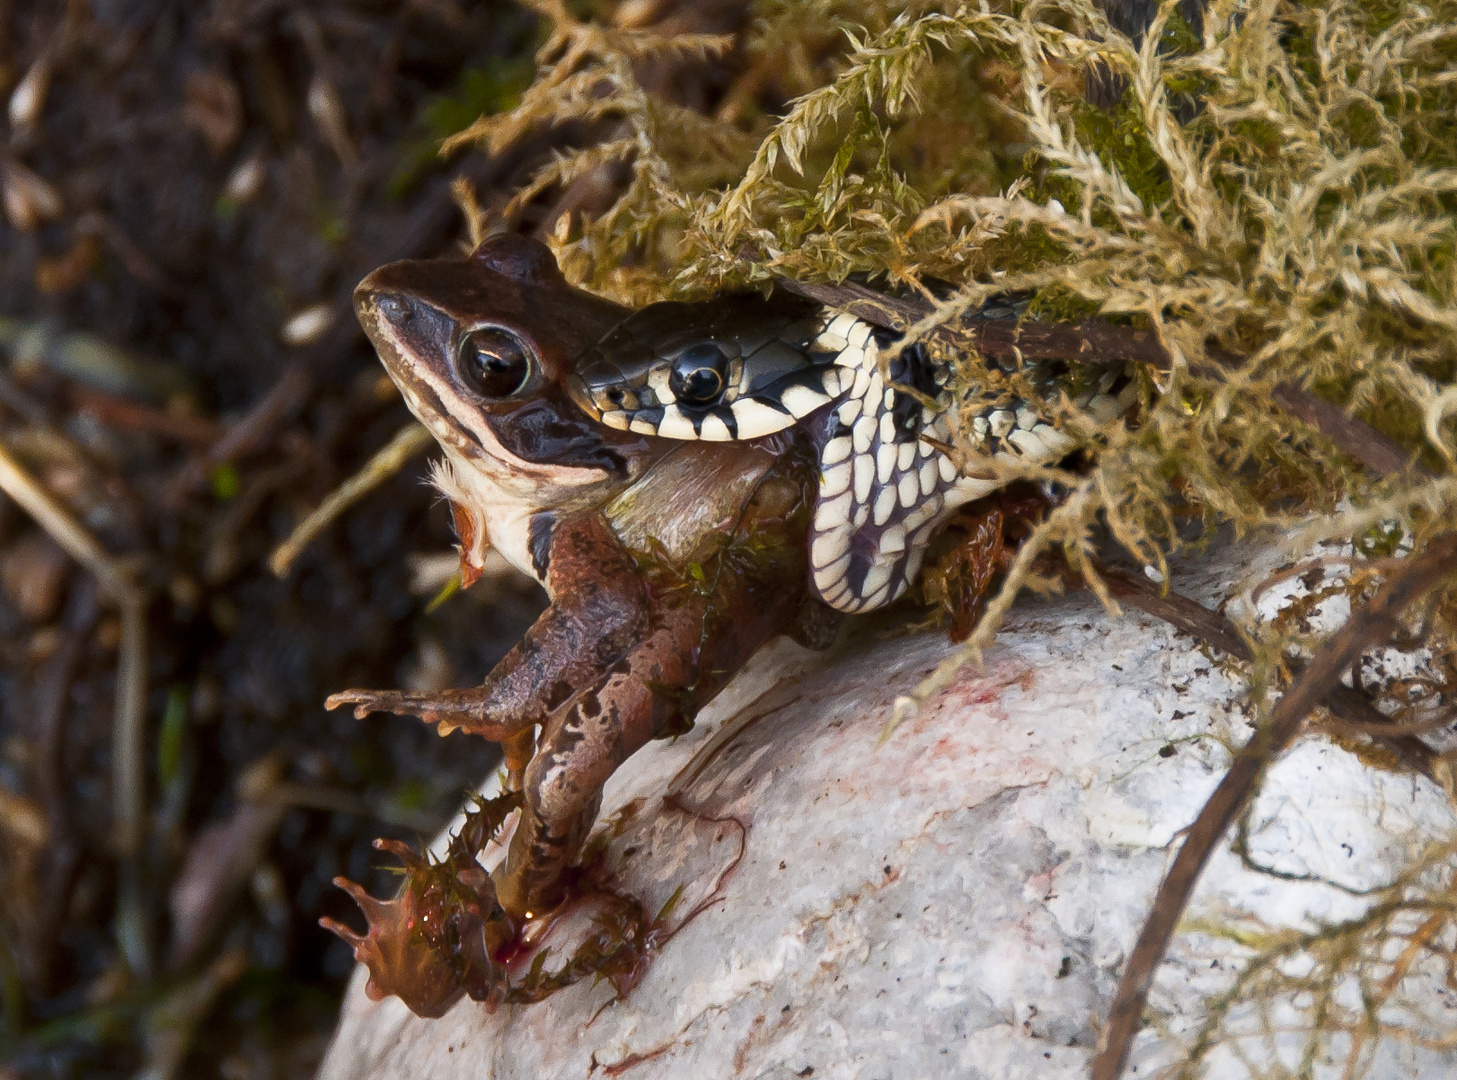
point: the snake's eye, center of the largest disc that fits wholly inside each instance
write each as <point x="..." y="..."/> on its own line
<point x="493" y="362"/>
<point x="698" y="374"/>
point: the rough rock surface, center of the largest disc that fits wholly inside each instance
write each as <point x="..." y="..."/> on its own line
<point x="956" y="900"/>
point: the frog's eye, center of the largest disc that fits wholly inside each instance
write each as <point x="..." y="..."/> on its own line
<point x="697" y="376"/>
<point x="493" y="362"/>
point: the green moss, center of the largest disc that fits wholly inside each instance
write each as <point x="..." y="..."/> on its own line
<point x="1121" y="139"/>
<point x="226" y="482"/>
<point x="493" y="88"/>
<point x="1285" y="186"/>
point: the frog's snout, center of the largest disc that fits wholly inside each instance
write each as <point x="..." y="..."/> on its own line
<point x="392" y="308"/>
<point x="370" y="299"/>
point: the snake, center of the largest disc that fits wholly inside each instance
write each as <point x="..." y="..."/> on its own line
<point x="743" y="367"/>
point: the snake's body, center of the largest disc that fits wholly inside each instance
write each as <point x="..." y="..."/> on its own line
<point x="744" y="367"/>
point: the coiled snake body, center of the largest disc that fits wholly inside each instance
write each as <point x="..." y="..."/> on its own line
<point x="744" y="367"/>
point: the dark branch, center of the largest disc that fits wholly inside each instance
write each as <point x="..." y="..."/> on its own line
<point x="1181" y="612"/>
<point x="1367" y="626"/>
<point x="1358" y="439"/>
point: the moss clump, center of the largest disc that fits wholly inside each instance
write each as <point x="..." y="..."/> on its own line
<point x="1300" y="214"/>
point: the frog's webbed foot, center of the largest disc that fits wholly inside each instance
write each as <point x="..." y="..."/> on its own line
<point x="436" y="940"/>
<point x="445" y="936"/>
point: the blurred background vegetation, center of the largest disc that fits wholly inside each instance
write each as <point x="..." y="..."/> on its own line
<point x="191" y="191"/>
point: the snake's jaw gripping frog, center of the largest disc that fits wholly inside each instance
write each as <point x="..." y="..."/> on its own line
<point x="668" y="565"/>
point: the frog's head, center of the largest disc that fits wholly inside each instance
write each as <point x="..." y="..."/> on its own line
<point x="482" y="348"/>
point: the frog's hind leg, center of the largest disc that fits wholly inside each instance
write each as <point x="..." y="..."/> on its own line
<point x="582" y="745"/>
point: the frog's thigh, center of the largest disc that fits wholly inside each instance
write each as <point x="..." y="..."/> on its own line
<point x="582" y="746"/>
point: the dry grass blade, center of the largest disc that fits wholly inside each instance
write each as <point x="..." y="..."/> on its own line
<point x="1368" y="626"/>
<point x="410" y="440"/>
<point x="128" y="730"/>
<point x="69" y="533"/>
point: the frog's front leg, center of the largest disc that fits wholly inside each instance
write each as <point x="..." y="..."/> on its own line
<point x="599" y="610"/>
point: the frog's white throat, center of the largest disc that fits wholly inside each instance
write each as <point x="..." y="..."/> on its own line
<point x="498" y="516"/>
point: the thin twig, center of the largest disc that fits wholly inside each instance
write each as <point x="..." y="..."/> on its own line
<point x="253" y="429"/>
<point x="222" y="557"/>
<point x="19" y="402"/>
<point x="49" y="705"/>
<point x="1179" y="611"/>
<point x="116" y="412"/>
<point x="1441" y="722"/>
<point x="408" y="441"/>
<point x="1093" y="341"/>
<point x="131" y="256"/>
<point x="129" y="774"/>
<point x="1356" y="438"/>
<point x="65" y="530"/>
<point x="1366" y="627"/>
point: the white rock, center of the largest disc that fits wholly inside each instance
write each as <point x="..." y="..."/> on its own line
<point x="957" y="900"/>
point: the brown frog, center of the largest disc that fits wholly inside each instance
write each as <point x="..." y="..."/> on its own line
<point x="668" y="564"/>
<point x="687" y="481"/>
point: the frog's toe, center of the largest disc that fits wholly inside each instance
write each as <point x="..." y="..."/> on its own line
<point x="450" y="709"/>
<point x="364" y="701"/>
<point x="412" y="971"/>
<point x="372" y="701"/>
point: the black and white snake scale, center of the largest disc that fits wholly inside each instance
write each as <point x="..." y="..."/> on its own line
<point x="743" y="367"/>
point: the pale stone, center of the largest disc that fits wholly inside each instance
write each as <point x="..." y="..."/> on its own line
<point x="956" y="899"/>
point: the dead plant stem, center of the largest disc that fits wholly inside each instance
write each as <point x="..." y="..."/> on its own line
<point x="128" y="777"/>
<point x="410" y="440"/>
